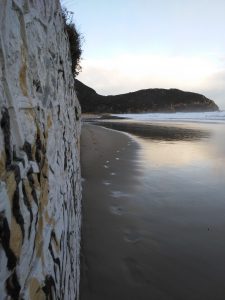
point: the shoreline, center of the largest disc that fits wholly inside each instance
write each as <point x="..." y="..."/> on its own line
<point x="108" y="172"/>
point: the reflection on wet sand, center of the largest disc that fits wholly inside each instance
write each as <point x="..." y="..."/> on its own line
<point x="159" y="132"/>
<point x="155" y="229"/>
<point x="176" y="143"/>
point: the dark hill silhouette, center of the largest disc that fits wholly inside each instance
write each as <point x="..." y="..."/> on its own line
<point x="148" y="100"/>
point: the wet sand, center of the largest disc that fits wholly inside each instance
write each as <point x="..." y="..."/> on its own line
<point x="146" y="234"/>
<point x="109" y="171"/>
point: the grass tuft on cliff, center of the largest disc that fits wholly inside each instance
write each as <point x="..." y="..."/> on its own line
<point x="74" y="41"/>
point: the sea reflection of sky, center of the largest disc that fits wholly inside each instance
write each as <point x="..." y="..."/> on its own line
<point x="177" y="207"/>
<point x="158" y="132"/>
<point x="198" y="146"/>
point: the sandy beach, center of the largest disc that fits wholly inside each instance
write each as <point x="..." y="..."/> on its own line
<point x="153" y="213"/>
<point x="108" y="164"/>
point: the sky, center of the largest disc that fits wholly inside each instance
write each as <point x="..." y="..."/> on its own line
<point x="137" y="44"/>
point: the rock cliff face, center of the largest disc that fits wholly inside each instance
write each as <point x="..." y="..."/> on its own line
<point x="149" y="100"/>
<point x="40" y="189"/>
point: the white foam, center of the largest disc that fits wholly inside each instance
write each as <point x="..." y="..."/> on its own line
<point x="209" y="117"/>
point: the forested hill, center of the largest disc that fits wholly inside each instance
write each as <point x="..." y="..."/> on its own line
<point x="147" y="100"/>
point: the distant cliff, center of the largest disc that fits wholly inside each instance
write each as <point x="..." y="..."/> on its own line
<point x="149" y="100"/>
<point x="40" y="182"/>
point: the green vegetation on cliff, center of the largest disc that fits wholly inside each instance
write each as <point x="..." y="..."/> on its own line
<point x="74" y="41"/>
<point x="148" y="100"/>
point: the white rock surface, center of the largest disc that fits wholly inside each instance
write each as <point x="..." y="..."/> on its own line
<point x="40" y="183"/>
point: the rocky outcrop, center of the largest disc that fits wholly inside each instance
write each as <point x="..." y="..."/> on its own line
<point x="149" y="100"/>
<point x="40" y="186"/>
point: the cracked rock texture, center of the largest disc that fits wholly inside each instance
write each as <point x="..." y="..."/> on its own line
<point x="40" y="186"/>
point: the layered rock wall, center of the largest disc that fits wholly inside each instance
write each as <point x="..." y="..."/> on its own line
<point x="40" y="190"/>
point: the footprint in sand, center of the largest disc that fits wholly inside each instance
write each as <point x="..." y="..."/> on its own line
<point x="106" y="183"/>
<point x="118" y="194"/>
<point x="116" y="210"/>
<point x="134" y="270"/>
<point x="132" y="236"/>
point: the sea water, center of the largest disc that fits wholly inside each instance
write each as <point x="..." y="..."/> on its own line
<point x="218" y="116"/>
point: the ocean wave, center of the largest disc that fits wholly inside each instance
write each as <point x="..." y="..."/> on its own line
<point x="209" y="117"/>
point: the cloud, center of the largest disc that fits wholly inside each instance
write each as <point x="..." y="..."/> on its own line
<point x="214" y="88"/>
<point x="126" y="73"/>
<point x="216" y="80"/>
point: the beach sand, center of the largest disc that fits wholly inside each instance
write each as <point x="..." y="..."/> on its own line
<point x="151" y="231"/>
<point x="108" y="165"/>
<point x="111" y="242"/>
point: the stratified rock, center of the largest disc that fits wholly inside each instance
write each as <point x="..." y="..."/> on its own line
<point x="40" y="186"/>
<point x="149" y="100"/>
